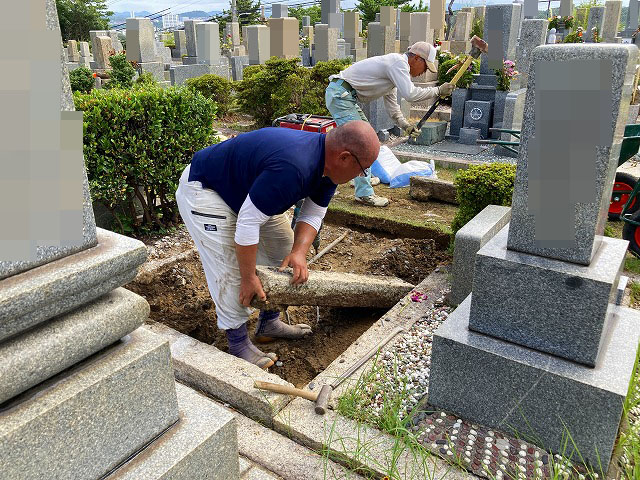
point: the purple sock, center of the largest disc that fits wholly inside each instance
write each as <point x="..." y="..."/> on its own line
<point x="265" y="318"/>
<point x="237" y="338"/>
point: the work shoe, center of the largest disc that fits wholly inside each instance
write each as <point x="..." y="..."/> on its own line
<point x="241" y="347"/>
<point x="373" y="200"/>
<point x="271" y="327"/>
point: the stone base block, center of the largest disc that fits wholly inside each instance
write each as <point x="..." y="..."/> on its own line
<point x="486" y="79"/>
<point x="537" y="302"/>
<point x="154" y="68"/>
<point x="49" y="348"/>
<point x="426" y="189"/>
<point x="432" y="132"/>
<point x="86" y="421"/>
<point x="534" y="395"/>
<point x="180" y="73"/>
<point x="189" y="60"/>
<point x="202" y="445"/>
<point x="31" y="297"/>
<point x="458" y="47"/>
<point x="358" y="54"/>
<point x="469" y="239"/>
<point x="469" y="136"/>
<point x="484" y="93"/>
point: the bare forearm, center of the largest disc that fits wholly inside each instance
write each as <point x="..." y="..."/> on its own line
<point x="246" y="256"/>
<point x="303" y="238"/>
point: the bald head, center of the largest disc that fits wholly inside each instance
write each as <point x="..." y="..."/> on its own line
<point x="348" y="149"/>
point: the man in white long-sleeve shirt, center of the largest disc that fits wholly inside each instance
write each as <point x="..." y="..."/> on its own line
<point x="387" y="76"/>
<point x="232" y="199"/>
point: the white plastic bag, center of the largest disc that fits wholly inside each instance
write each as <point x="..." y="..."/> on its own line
<point x="412" y="168"/>
<point x="385" y="165"/>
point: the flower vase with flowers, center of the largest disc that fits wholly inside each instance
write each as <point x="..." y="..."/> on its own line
<point x="505" y="75"/>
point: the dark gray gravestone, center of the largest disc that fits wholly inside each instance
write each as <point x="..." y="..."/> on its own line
<point x="478" y="114"/>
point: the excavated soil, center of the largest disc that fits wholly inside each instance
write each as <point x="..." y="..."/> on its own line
<point x="179" y="297"/>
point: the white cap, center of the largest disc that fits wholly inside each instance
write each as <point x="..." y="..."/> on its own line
<point x="427" y="52"/>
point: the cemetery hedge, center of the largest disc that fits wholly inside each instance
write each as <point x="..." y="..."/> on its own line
<point x="136" y="144"/>
<point x="282" y="86"/>
<point x="214" y="87"/>
<point x="81" y="80"/>
<point x="482" y="185"/>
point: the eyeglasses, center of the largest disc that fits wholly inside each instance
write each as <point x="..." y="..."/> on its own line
<point x="364" y="173"/>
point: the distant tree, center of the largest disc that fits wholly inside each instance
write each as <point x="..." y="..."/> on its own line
<point x="369" y="8"/>
<point x="313" y="11"/>
<point x="407" y="7"/>
<point x="247" y="11"/>
<point x="77" y="17"/>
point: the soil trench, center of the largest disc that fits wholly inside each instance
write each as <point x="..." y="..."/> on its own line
<point x="179" y="298"/>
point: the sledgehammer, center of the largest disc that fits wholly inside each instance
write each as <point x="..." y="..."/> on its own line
<point x="321" y="398"/>
<point x="478" y="47"/>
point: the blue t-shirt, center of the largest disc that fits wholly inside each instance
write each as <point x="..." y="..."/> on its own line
<point x="276" y="167"/>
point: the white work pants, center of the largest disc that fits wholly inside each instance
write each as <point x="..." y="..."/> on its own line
<point x="212" y="226"/>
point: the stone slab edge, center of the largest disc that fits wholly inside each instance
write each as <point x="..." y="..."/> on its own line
<point x="223" y="376"/>
<point x="46" y="350"/>
<point x="36" y="295"/>
<point x="148" y="271"/>
<point x="202" y="444"/>
<point x="440" y="160"/>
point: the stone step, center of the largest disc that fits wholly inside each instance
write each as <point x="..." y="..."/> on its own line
<point x="330" y="289"/>
<point x="202" y="445"/>
<point x="60" y="286"/>
<point x="42" y="352"/>
<point x="86" y="421"/>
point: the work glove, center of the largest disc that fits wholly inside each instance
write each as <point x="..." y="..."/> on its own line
<point x="445" y="89"/>
<point x="412" y="131"/>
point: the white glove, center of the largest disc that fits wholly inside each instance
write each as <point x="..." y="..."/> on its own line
<point x="445" y="89"/>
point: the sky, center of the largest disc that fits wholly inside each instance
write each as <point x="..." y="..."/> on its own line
<point x="179" y="6"/>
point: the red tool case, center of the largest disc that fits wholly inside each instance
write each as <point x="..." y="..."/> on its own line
<point x="308" y="123"/>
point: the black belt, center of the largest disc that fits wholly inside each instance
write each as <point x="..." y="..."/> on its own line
<point x="344" y="84"/>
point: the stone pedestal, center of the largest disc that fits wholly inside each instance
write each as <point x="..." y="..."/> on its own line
<point x="284" y="37"/>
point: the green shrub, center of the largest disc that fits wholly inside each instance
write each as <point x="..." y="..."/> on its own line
<point x="136" y="144"/>
<point x="482" y="185"/>
<point x="216" y="88"/>
<point x="122" y="72"/>
<point x="81" y="80"/>
<point x="282" y="86"/>
<point x="467" y="77"/>
<point x="146" y="78"/>
<point x="478" y="28"/>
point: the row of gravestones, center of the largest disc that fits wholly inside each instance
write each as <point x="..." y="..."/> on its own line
<point x="84" y="389"/>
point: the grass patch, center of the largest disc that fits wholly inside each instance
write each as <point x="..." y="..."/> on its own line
<point x="613" y="229"/>
<point x="632" y="264"/>
<point x="448" y="174"/>
<point x="629" y="441"/>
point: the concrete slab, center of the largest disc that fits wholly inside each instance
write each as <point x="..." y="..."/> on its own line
<point x="36" y="295"/>
<point x="284" y="457"/>
<point x="257" y="473"/>
<point x="86" y="421"/>
<point x="223" y="376"/>
<point x="427" y="189"/>
<point x="331" y="289"/>
<point x="42" y="352"/>
<point x="202" y="445"/>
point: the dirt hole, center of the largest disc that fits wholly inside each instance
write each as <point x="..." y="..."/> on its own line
<point x="179" y="298"/>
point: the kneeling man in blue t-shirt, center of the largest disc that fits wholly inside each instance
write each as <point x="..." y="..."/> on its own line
<point x="232" y="199"/>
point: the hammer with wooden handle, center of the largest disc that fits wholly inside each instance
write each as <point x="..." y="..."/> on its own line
<point x="321" y="398"/>
<point x="478" y="46"/>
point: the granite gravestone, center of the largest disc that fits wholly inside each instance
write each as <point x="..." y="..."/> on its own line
<point x="326" y="42"/>
<point x="208" y="41"/>
<point x="380" y="39"/>
<point x="284" y="38"/>
<point x="532" y="34"/>
<point x="539" y="334"/>
<point x="141" y="43"/>
<point x="611" y="20"/>
<point x="596" y="17"/>
<point x="83" y="388"/>
<point x="258" y="44"/>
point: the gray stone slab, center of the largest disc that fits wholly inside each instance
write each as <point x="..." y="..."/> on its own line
<point x="237" y="66"/>
<point x="190" y="34"/>
<point x="84" y="49"/>
<point x="532" y="394"/>
<point x="279" y="10"/>
<point x="380" y="39"/>
<point x="478" y="114"/>
<point x="102" y="49"/>
<point x="537" y="302"/>
<point x="326" y="43"/>
<point x="202" y="445"/>
<point x="34" y="296"/>
<point x="41" y="254"/>
<point x="469" y="136"/>
<point x="189" y="60"/>
<point x="458" y="99"/>
<point x="572" y="232"/>
<point x="596" y="18"/>
<point x="431" y="132"/>
<point x="468" y="241"/>
<point x="632" y="16"/>
<point x="426" y="189"/>
<point x="44" y="351"/>
<point x="334" y="289"/>
<point x="154" y="68"/>
<point x="611" y="20"/>
<point x="180" y="73"/>
<point x="258" y="44"/>
<point x="208" y="39"/>
<point x="532" y="34"/>
<point x="501" y="28"/>
<point x="86" y="421"/>
<point x="73" y="55"/>
<point x="223" y="376"/>
<point x="181" y="44"/>
<point x="377" y="115"/>
<point x="451" y="147"/>
<point x="115" y="40"/>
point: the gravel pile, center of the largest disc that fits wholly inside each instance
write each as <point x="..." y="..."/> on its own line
<point x="175" y="242"/>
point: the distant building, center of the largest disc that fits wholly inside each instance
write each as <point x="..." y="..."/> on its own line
<point x="170" y="21"/>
